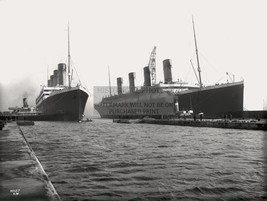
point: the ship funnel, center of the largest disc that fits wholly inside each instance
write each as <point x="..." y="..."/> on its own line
<point x="119" y="85"/>
<point x="25" y="104"/>
<point x="61" y="74"/>
<point x="131" y="82"/>
<point x="147" y="80"/>
<point x="49" y="83"/>
<point x="55" y="78"/>
<point x="52" y="80"/>
<point x="167" y="71"/>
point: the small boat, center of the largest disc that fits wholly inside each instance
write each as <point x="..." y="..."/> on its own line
<point x="128" y="121"/>
<point x="86" y="120"/>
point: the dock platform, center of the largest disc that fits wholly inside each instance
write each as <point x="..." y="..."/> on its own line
<point x="22" y="175"/>
<point x="214" y="123"/>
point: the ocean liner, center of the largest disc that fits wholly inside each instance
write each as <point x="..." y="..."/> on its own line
<point x="172" y="99"/>
<point x="59" y="100"/>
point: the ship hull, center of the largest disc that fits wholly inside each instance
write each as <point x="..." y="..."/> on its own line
<point x="215" y="102"/>
<point x="66" y="105"/>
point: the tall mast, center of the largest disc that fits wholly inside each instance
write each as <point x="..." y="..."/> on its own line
<point x="69" y="73"/>
<point x="199" y="70"/>
<point x="109" y="81"/>
<point x="194" y="71"/>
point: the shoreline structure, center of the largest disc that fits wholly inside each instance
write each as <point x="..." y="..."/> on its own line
<point x="23" y="176"/>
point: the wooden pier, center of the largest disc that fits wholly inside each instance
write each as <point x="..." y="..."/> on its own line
<point x="214" y="123"/>
<point x="22" y="175"/>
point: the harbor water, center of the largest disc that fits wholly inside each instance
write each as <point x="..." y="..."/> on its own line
<point x="102" y="160"/>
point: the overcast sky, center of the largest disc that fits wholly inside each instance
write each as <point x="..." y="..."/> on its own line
<point x="231" y="35"/>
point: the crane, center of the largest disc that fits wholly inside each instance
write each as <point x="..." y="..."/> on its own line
<point x="152" y="66"/>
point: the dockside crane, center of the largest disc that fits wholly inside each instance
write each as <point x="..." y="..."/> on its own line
<point x="152" y="66"/>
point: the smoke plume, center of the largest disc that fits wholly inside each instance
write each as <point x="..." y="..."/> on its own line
<point x="12" y="95"/>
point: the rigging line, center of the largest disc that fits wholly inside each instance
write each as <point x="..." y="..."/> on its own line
<point x="92" y="94"/>
<point x="204" y="72"/>
<point x="213" y="66"/>
<point x="219" y="80"/>
<point x="76" y="72"/>
<point x="194" y="71"/>
<point x="206" y="76"/>
<point x="69" y="75"/>
<point x="109" y="81"/>
<point x="187" y="74"/>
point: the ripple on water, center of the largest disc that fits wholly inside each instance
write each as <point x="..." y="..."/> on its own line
<point x="107" y="161"/>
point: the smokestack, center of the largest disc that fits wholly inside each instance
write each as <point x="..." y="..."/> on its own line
<point x="119" y="85"/>
<point x="147" y="80"/>
<point x="52" y="80"/>
<point x="25" y="104"/>
<point x="61" y="74"/>
<point x="167" y="71"/>
<point x="55" y="78"/>
<point x="131" y="82"/>
<point x="49" y="83"/>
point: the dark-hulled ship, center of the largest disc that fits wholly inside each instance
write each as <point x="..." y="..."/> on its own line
<point x="172" y="99"/>
<point x="59" y="100"/>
